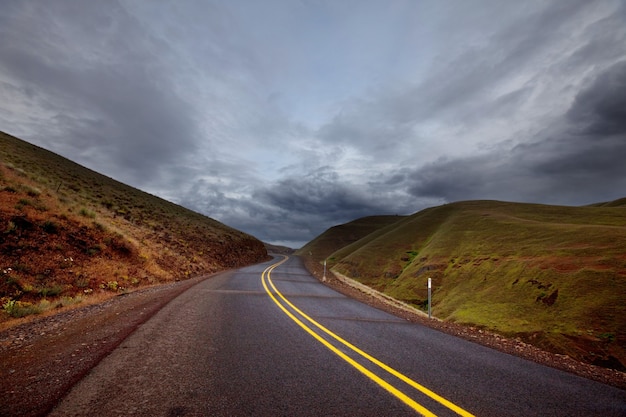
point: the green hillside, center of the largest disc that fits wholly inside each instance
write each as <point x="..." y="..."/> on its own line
<point x="67" y="232"/>
<point x="339" y="237"/>
<point x="554" y="276"/>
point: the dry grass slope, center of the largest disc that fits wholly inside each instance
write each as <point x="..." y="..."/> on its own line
<point x="67" y="233"/>
<point x="553" y="276"/>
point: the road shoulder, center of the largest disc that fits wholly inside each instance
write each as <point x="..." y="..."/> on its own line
<point x="511" y="346"/>
<point x="42" y="359"/>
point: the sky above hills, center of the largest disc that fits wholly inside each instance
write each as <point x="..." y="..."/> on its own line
<point x="283" y="118"/>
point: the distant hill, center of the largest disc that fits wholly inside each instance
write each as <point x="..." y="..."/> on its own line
<point x="339" y="237"/>
<point x="277" y="249"/>
<point x="68" y="232"/>
<point x="617" y="203"/>
<point x="554" y="276"/>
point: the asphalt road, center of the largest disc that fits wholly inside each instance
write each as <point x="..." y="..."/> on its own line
<point x="271" y="340"/>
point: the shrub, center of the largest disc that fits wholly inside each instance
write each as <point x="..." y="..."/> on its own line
<point x="120" y="245"/>
<point x="99" y="226"/>
<point x="111" y="285"/>
<point x="9" y="306"/>
<point x="10" y="189"/>
<point x="609" y="337"/>
<point x="50" y="227"/>
<point x="82" y="282"/>
<point x="11" y="227"/>
<point x="20" y="309"/>
<point x="23" y="202"/>
<point x="20" y="267"/>
<point x="68" y="301"/>
<point x="51" y="291"/>
<point x="87" y="213"/>
<point x="32" y="192"/>
<point x="94" y="250"/>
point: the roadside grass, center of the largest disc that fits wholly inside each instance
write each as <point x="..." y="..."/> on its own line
<point x="19" y="309"/>
<point x="553" y="276"/>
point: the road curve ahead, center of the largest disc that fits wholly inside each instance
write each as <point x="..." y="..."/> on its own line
<point x="270" y="340"/>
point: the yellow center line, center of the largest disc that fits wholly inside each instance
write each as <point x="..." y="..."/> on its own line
<point x="391" y="389"/>
<point x="397" y="374"/>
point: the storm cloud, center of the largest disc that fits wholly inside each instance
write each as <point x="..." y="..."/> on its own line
<point x="285" y="118"/>
<point x="581" y="158"/>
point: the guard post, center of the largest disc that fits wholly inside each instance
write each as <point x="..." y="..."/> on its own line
<point x="429" y="297"/>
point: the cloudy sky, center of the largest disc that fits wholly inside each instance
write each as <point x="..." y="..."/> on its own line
<point x="283" y="118"/>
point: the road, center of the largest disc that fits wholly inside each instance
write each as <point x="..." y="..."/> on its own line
<point x="270" y="340"/>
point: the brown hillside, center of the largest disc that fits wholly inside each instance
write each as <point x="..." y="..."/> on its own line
<point x="67" y="233"/>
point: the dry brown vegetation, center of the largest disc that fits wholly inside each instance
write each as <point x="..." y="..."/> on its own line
<point x="68" y="233"/>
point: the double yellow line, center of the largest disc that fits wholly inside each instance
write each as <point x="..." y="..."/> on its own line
<point x="267" y="283"/>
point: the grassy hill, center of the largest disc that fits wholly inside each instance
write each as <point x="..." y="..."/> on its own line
<point x="553" y="276"/>
<point x="67" y="233"/>
<point x="339" y="237"/>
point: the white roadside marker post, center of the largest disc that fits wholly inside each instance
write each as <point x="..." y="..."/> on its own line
<point x="429" y="297"/>
<point x="324" y="277"/>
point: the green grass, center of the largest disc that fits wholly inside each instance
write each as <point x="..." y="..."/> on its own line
<point x="18" y="309"/>
<point x="342" y="236"/>
<point x="87" y="213"/>
<point x="518" y="269"/>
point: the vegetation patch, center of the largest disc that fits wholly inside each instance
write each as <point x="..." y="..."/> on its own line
<point x="87" y="213"/>
<point x="550" y="275"/>
<point x="68" y="232"/>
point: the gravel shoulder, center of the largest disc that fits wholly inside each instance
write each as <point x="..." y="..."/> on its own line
<point x="511" y="346"/>
<point x="42" y="359"/>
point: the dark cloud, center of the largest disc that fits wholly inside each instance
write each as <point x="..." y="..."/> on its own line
<point x="282" y="119"/>
<point x="543" y="172"/>
<point x="600" y="110"/>
<point x="581" y="161"/>
<point x="101" y="83"/>
<point x="321" y="199"/>
<point x="591" y="149"/>
<point x="291" y="210"/>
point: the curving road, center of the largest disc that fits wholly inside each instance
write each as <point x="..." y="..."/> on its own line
<point x="270" y="340"/>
